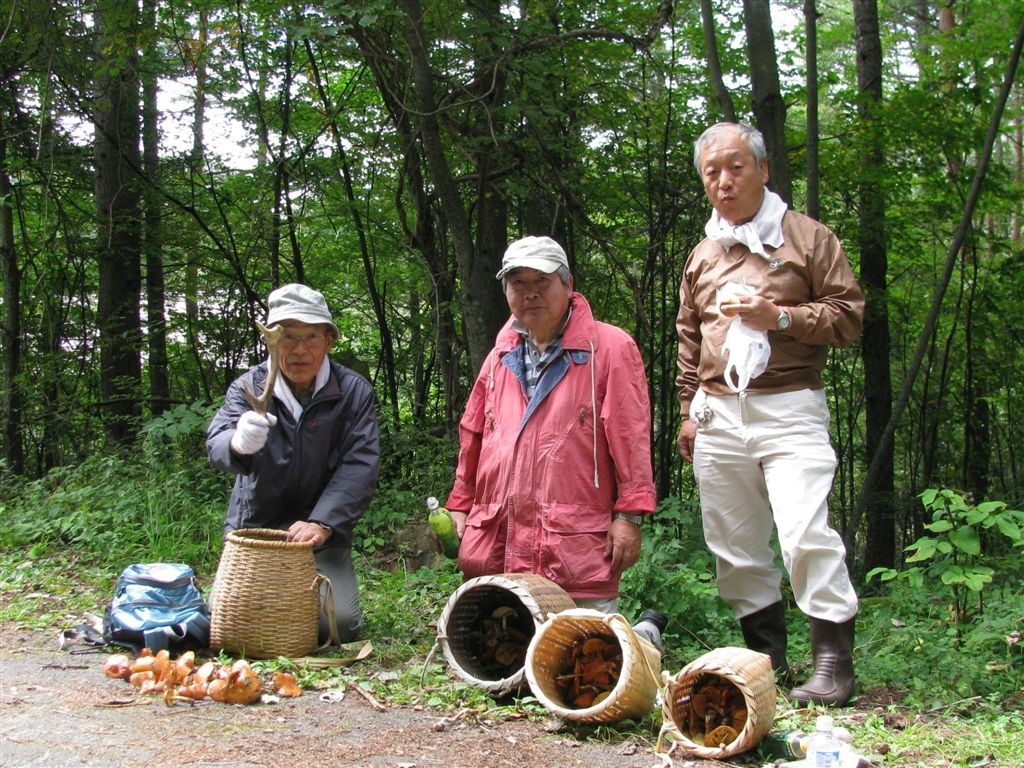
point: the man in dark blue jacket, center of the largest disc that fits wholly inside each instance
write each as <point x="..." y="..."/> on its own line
<point x="309" y="465"/>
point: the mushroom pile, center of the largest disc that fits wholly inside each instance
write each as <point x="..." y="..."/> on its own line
<point x="502" y="638"/>
<point x="591" y="672"/>
<point x="714" y="712"/>
<point x="179" y="680"/>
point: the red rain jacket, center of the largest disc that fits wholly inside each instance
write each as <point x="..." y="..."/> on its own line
<point x="541" y="480"/>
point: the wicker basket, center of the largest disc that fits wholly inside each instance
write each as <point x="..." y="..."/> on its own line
<point x="750" y="671"/>
<point x="532" y="597"/>
<point x="265" y="600"/>
<point x="550" y="652"/>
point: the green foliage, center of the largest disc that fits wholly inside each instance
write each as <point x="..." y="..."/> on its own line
<point x="180" y="432"/>
<point x="954" y="554"/>
<point x="907" y="639"/>
<point x="400" y="609"/>
<point x="158" y="505"/>
<point x="415" y="464"/>
<point x="964" y="600"/>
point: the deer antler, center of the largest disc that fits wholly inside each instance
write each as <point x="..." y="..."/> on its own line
<point x="272" y="337"/>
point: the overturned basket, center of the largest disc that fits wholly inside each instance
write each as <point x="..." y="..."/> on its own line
<point x="750" y="672"/>
<point x="550" y="656"/>
<point x="527" y="599"/>
<point x="266" y="596"/>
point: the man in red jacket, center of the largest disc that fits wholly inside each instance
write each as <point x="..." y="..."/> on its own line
<point x="554" y="475"/>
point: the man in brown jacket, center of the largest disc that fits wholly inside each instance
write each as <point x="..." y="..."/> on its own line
<point x="762" y="298"/>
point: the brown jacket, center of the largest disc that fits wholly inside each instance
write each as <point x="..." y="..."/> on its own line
<point x="813" y="281"/>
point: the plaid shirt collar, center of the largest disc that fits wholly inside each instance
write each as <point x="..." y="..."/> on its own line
<point x="536" y="361"/>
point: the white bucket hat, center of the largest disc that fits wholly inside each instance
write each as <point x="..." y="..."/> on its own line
<point x="299" y="302"/>
<point x="540" y="253"/>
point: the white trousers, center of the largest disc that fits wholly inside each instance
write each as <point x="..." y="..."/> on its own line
<point x="762" y="460"/>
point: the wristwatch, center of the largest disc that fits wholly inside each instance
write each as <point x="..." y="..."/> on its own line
<point x="783" y="322"/>
<point x="628" y="517"/>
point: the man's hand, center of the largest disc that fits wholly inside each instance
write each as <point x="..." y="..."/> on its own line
<point x="623" y="546"/>
<point x="687" y="434"/>
<point x="251" y="432"/>
<point x="303" y="530"/>
<point x="756" y="311"/>
<point x="459" y="518"/>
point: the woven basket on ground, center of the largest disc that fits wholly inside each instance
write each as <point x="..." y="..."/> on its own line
<point x="266" y="596"/>
<point x="747" y="670"/>
<point x="461" y="628"/>
<point x="550" y="656"/>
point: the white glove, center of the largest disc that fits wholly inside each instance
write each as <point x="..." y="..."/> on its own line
<point x="251" y="432"/>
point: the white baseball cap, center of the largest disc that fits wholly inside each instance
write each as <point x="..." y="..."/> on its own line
<point x="540" y="253"/>
<point x="295" y="301"/>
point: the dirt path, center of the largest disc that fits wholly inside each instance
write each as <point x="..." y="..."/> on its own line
<point x="57" y="709"/>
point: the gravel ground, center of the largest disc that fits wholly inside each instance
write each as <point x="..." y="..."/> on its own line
<point x="58" y="709"/>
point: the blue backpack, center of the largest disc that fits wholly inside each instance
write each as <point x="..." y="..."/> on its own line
<point x="157" y="606"/>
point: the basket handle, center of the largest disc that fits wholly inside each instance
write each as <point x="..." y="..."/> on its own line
<point x="663" y="754"/>
<point x="322" y="584"/>
<point x="618" y="618"/>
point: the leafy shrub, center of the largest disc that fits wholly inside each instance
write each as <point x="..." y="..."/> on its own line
<point x="165" y="503"/>
<point x="413" y="466"/>
<point x="179" y="433"/>
<point x="954" y="555"/>
<point x="959" y="596"/>
<point x="906" y="642"/>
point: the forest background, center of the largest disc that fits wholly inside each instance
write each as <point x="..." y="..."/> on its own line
<point x="164" y="165"/>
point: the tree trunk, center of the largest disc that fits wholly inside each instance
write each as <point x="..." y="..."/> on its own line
<point x="156" y="316"/>
<point x="483" y="308"/>
<point x="14" y="451"/>
<point x="119" y="245"/>
<point x="422" y="233"/>
<point x="769" y="108"/>
<point x="977" y="430"/>
<point x="813" y="207"/>
<point x="722" y="95"/>
<point x="1018" y="168"/>
<point x="387" y="343"/>
<point x="881" y="532"/>
<point x="195" y="168"/>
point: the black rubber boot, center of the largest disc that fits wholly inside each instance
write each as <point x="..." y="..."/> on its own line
<point x="652" y="623"/>
<point x="657" y="618"/>
<point x="832" y="682"/>
<point x="764" y="631"/>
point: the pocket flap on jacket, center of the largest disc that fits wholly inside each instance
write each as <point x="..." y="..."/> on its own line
<point x="482" y="515"/>
<point x="575" y="518"/>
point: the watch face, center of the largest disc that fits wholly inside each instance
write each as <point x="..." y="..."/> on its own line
<point x="784" y="321"/>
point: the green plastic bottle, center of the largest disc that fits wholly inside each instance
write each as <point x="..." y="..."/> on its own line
<point x="440" y="520"/>
<point x="786" y="744"/>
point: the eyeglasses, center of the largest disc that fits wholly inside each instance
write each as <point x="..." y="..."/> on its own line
<point x="311" y="340"/>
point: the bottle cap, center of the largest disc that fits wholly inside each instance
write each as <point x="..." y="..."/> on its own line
<point x="823" y="723"/>
<point x="432" y="502"/>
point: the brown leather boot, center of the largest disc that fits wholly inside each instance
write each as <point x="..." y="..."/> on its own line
<point x="832" y="682"/>
<point x="764" y="631"/>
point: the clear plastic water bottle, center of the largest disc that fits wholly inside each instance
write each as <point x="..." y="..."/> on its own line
<point x="824" y="750"/>
<point x="441" y="523"/>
